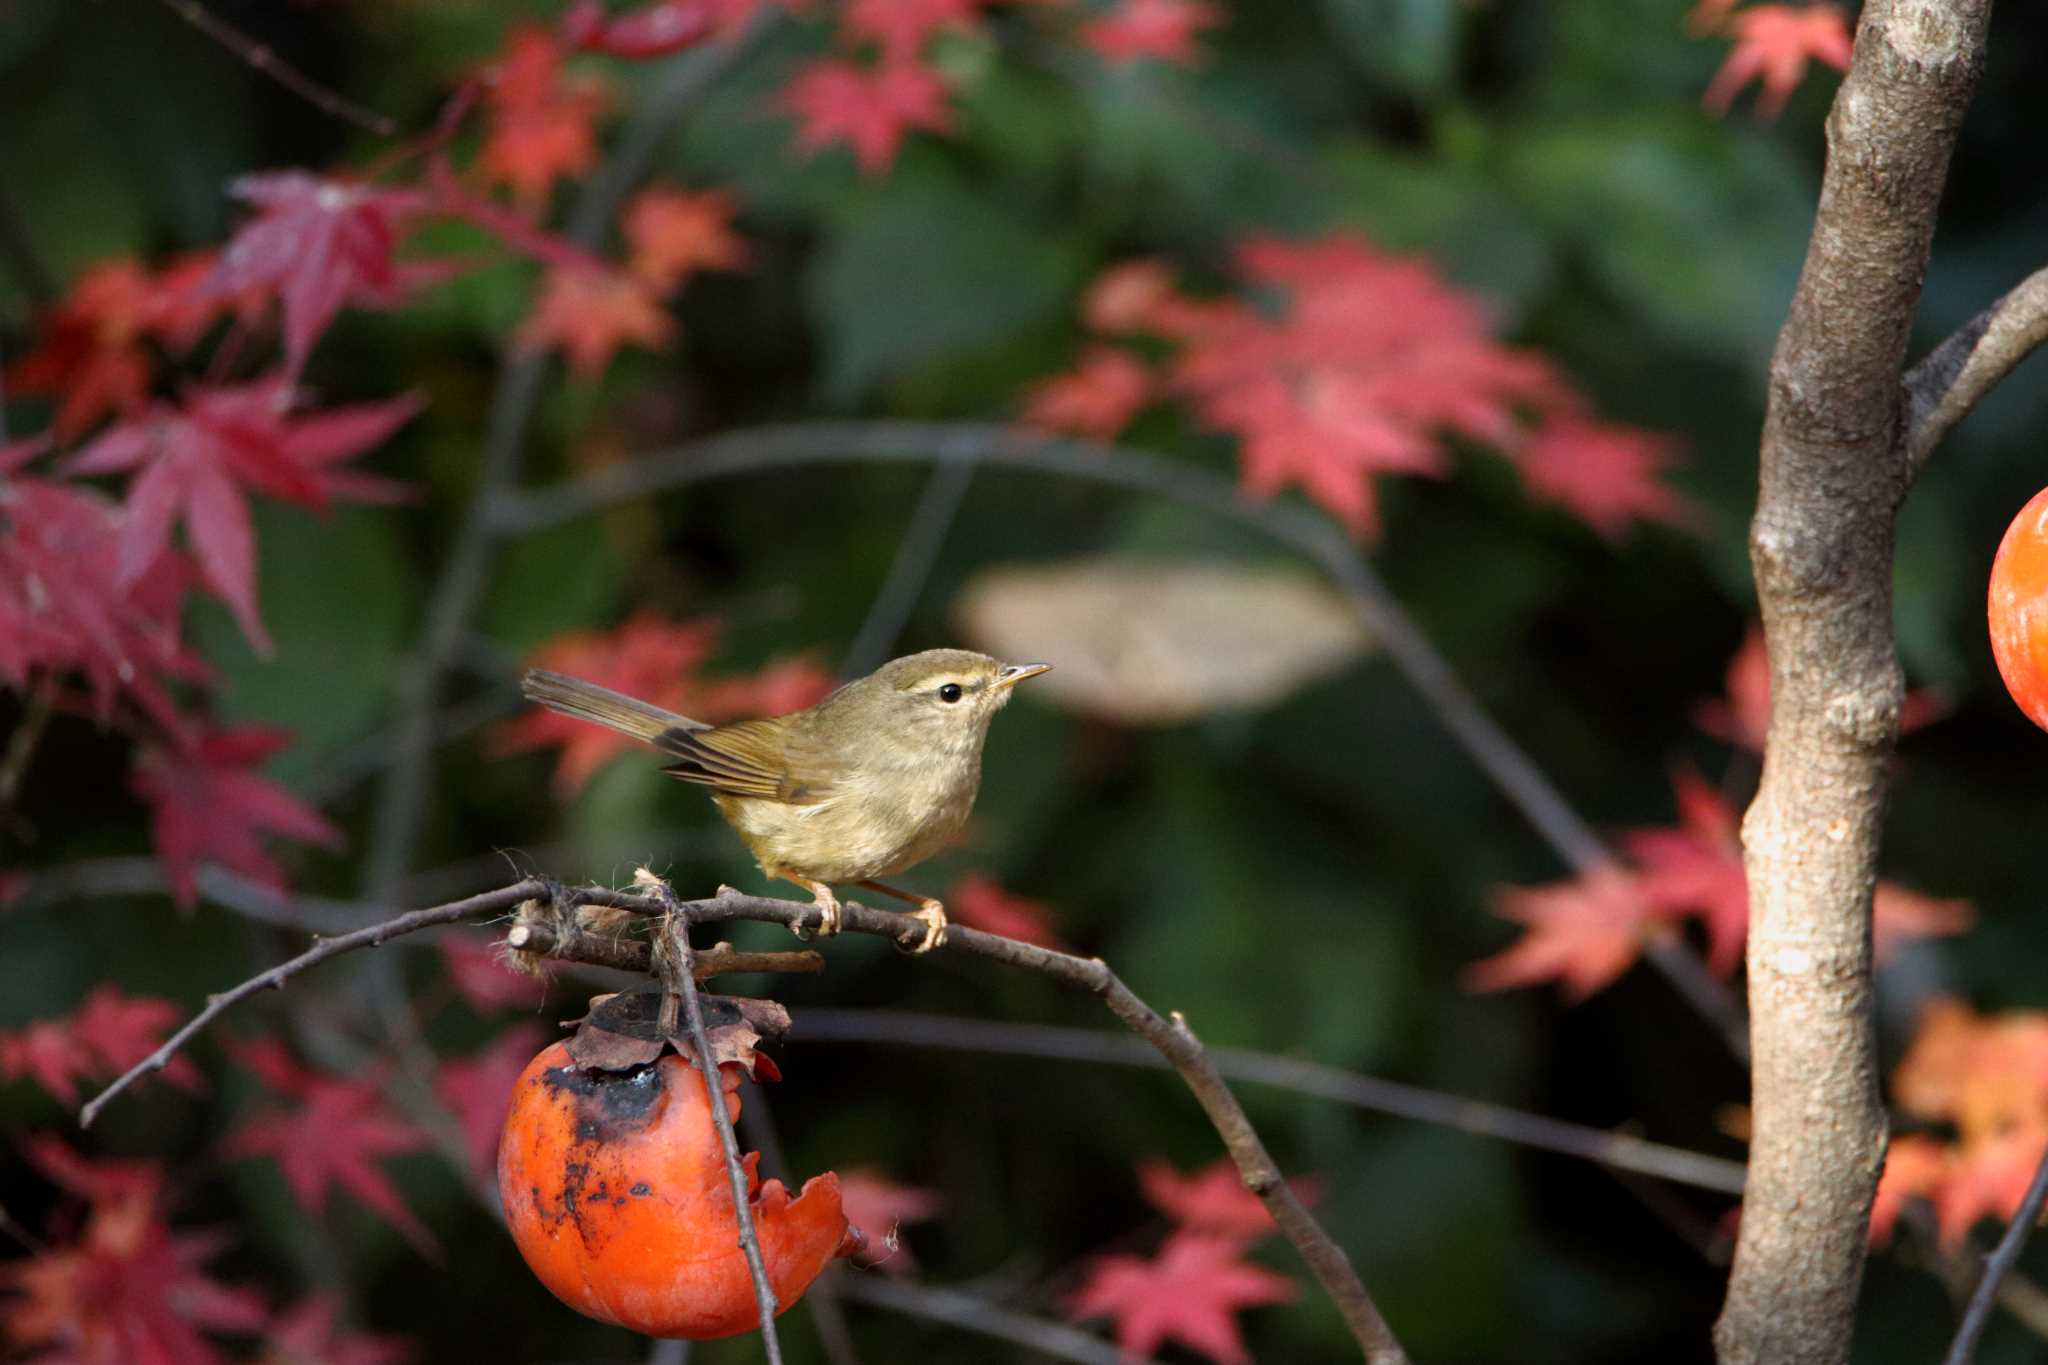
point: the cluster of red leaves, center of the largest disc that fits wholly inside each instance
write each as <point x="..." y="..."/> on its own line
<point x="331" y="1131"/>
<point x="117" y="1285"/>
<point x="1773" y="44"/>
<point x="108" y="1033"/>
<point x="1585" y="932"/>
<point x="657" y="661"/>
<point x="1986" y="1076"/>
<point x="1741" y="716"/>
<point x="1193" y="1288"/>
<point x="1341" y="362"/>
<point x="884" y="86"/>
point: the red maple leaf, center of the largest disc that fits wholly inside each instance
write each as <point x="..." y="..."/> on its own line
<point x="1213" y="1199"/>
<point x="307" y="1333"/>
<point x="1742" y="715"/>
<point x="478" y="1088"/>
<point x="196" y="463"/>
<point x="978" y="902"/>
<point x="901" y="26"/>
<point x="319" y="244"/>
<point x="868" y="108"/>
<point x="65" y="602"/>
<point x="90" y="348"/>
<point x="675" y="233"/>
<point x="1582" y="933"/>
<point x="1098" y="397"/>
<point x="541" y="127"/>
<point x="590" y="313"/>
<point x="879" y="1206"/>
<point x="333" y="1135"/>
<point x="646" y="657"/>
<point x="1372" y="360"/>
<point x="1191" y="1293"/>
<point x="128" y="1290"/>
<point x="655" y="30"/>
<point x="210" y="805"/>
<point x="485" y="979"/>
<point x="105" y="1036"/>
<point x="1607" y="475"/>
<point x="1774" y="42"/>
<point x="1164" y="29"/>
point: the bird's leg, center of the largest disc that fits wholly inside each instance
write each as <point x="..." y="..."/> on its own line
<point x="929" y="909"/>
<point x="828" y="904"/>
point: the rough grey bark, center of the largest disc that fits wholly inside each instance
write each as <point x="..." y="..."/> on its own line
<point x="1834" y="470"/>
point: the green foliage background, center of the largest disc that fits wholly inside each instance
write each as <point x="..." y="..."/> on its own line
<point x="1309" y="880"/>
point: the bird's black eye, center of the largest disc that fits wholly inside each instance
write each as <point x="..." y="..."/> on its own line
<point x="950" y="692"/>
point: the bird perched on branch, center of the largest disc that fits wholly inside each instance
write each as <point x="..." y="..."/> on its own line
<point x="875" y="778"/>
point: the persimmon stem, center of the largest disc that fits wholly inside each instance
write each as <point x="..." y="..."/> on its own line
<point x="679" y="982"/>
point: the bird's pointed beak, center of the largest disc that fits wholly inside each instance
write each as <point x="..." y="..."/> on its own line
<point x="1013" y="674"/>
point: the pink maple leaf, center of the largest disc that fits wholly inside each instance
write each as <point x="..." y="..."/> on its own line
<point x="589" y="313"/>
<point x="198" y="461"/>
<point x="868" y="108"/>
<point x="879" y="1206"/>
<point x="1163" y="29"/>
<point x="1098" y="397"/>
<point x="65" y="602"/>
<point x="105" y="1036"/>
<point x="1607" y="475"/>
<point x="1696" y="867"/>
<point x="210" y="805"/>
<point x="1191" y="1292"/>
<point x="1213" y="1199"/>
<point x="1582" y="934"/>
<point x="319" y="244"/>
<point x="1774" y="43"/>
<point x="333" y="1135"/>
<point x="479" y="1087"/>
<point x="541" y="126"/>
<point x="654" y="30"/>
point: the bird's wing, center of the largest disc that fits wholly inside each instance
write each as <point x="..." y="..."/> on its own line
<point x="759" y="758"/>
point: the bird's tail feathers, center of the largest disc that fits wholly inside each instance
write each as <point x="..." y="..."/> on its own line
<point x="602" y="706"/>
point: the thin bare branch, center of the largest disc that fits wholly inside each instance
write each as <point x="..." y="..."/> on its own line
<point x="1963" y="1349"/>
<point x="1956" y="375"/>
<point x="1620" y="1151"/>
<point x="916" y="552"/>
<point x="489" y="903"/>
<point x="1834" y="470"/>
<point x="790" y="445"/>
<point x="935" y="1303"/>
<point x="636" y="955"/>
<point x="757" y="1126"/>
<point x="259" y="57"/>
<point x="679" y="979"/>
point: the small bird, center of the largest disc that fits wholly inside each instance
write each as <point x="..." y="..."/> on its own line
<point x="875" y="778"/>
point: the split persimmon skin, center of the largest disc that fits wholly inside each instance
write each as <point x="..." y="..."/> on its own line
<point x="2018" y="609"/>
<point x="616" y="1193"/>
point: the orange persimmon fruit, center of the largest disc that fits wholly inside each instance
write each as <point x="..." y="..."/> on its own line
<point x="2018" y="609"/>
<point x="615" y="1188"/>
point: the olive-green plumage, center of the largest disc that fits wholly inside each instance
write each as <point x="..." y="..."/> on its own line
<point x="875" y="778"/>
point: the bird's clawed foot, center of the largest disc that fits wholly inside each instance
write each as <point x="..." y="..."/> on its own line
<point x="933" y="913"/>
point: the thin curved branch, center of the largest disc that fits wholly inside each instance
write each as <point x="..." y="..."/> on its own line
<point x="1170" y="1035"/>
<point x="916" y="552"/>
<point x="971" y="1312"/>
<point x="1956" y="375"/>
<point x="489" y="903"/>
<point x="259" y="57"/>
<point x="1963" y="1349"/>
